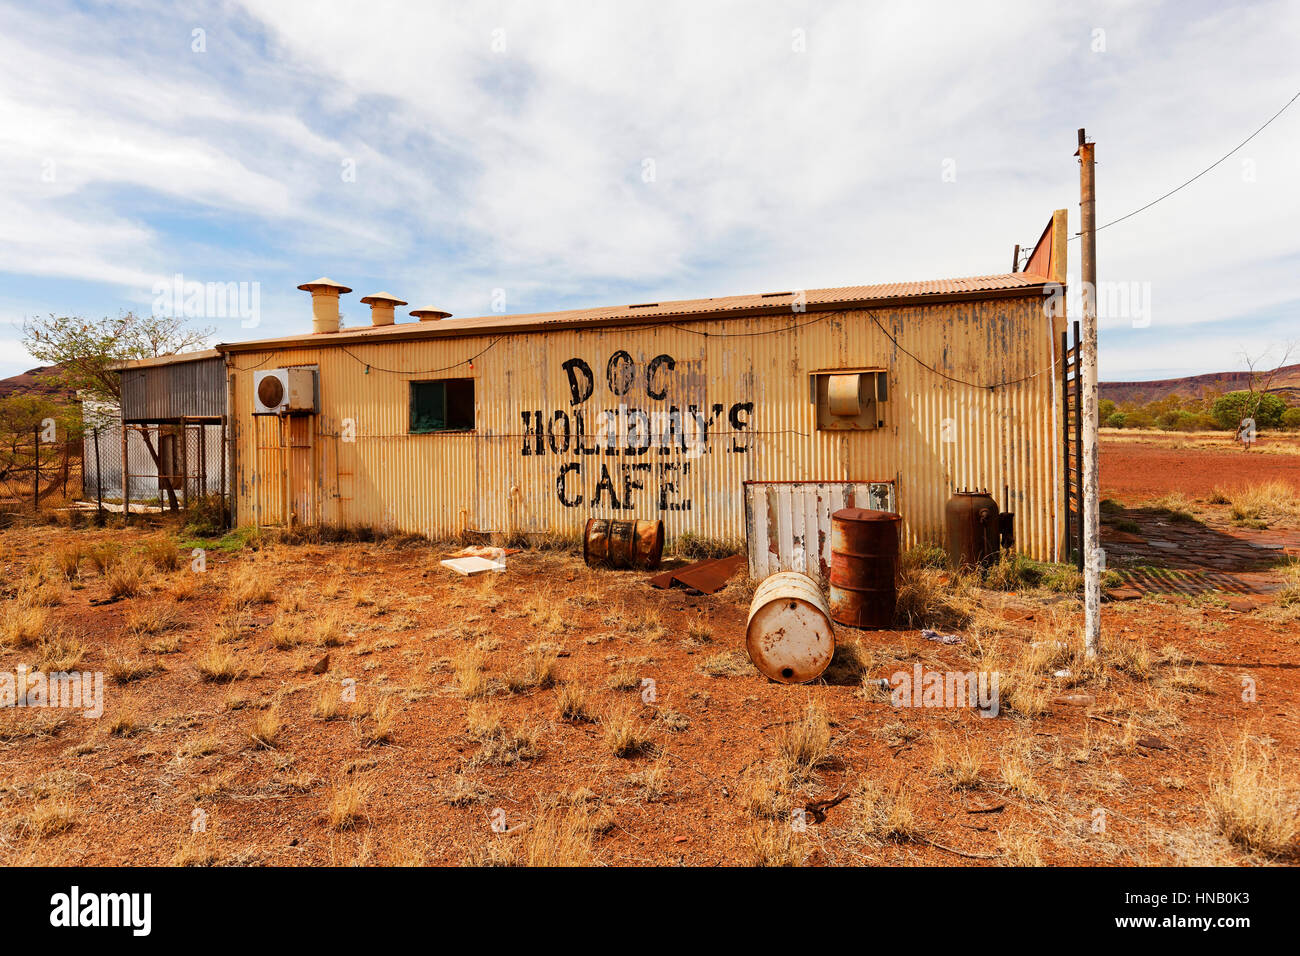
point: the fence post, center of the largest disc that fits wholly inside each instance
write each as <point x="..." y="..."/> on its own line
<point x="126" y="479"/>
<point x="99" y="475"/>
<point x="36" y="469"/>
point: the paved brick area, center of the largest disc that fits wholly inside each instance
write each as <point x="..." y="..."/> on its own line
<point x="1193" y="557"/>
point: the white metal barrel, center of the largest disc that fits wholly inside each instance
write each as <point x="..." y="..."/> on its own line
<point x="790" y="637"/>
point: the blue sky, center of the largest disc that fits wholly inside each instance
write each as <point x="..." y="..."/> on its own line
<point x="445" y="151"/>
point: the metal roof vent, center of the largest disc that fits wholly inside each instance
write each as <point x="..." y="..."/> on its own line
<point x="382" y="305"/>
<point x="430" y="314"/>
<point x="324" y="303"/>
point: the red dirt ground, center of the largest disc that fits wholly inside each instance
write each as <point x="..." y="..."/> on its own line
<point x="1144" y="749"/>
<point x="1131" y="470"/>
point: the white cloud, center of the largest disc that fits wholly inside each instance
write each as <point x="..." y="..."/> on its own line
<point x="774" y="167"/>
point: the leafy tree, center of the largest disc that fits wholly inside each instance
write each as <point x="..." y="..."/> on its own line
<point x="1291" y="418"/>
<point x="1265" y="408"/>
<point x="23" y="422"/>
<point x="1105" y="408"/>
<point x="87" y="350"/>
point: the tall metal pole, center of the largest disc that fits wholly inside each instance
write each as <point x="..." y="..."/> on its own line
<point x="1092" y="555"/>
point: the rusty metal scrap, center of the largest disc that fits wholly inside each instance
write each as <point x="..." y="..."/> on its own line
<point x="707" y="577"/>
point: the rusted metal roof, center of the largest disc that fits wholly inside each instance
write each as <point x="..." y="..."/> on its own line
<point x="178" y="358"/>
<point x="736" y="306"/>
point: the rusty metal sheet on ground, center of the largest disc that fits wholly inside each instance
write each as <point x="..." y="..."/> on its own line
<point x="707" y="577"/>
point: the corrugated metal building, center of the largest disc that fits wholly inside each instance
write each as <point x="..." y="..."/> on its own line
<point x="171" y="431"/>
<point x="532" y="423"/>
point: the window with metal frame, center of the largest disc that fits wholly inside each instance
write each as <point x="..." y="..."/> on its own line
<point x="445" y="405"/>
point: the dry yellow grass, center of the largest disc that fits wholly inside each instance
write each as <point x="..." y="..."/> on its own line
<point x="200" y="745"/>
<point x="125" y="720"/>
<point x="539" y="670"/>
<point x="60" y="652"/>
<point x="1021" y="847"/>
<point x="284" y="634"/>
<point x="48" y="818"/>
<point x="623" y="734"/>
<point x="330" y="705"/>
<point x="219" y="665"/>
<point x="1263" y="501"/>
<point x="266" y="729"/>
<point x="468" y="665"/>
<point x="958" y="764"/>
<point x="382" y="721"/>
<point x="125" y="670"/>
<point x="198" y="849"/>
<point x="773" y="843"/>
<point x="574" y="702"/>
<point x="555" y="837"/>
<point x="67" y="559"/>
<point x="1253" y="804"/>
<point x="502" y="745"/>
<point x="625" y="677"/>
<point x="103" y="556"/>
<point x="162" y="553"/>
<point x="1288" y="595"/>
<point x="766" y="794"/>
<point x="932" y="597"/>
<point x="249" y="585"/>
<point x="22" y="624"/>
<point x="184" y="588"/>
<point x="329" y="631"/>
<point x="1273" y="443"/>
<point x="885" y="812"/>
<point x="1017" y="775"/>
<point x="558" y="837"/>
<point x="804" y="744"/>
<point x="150" y="619"/>
<point x="126" y="579"/>
<point x="347" y="803"/>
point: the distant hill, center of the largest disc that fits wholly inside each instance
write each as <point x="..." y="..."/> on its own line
<point x="1285" y="384"/>
<point x="33" y="382"/>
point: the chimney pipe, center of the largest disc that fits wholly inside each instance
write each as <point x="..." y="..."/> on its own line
<point x="324" y="303"/>
<point x="381" y="307"/>
<point x="430" y="314"/>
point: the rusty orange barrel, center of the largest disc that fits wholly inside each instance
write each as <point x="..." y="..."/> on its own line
<point x="623" y="544"/>
<point x="864" y="567"/>
<point x="790" y="637"/>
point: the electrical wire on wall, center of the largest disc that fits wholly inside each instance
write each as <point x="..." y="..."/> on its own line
<point x="428" y="371"/>
<point x="379" y="368"/>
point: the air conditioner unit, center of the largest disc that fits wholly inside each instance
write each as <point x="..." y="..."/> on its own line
<point x="284" y="391"/>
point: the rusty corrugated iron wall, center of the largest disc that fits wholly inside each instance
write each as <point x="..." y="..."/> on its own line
<point x="166" y="392"/>
<point x="747" y="379"/>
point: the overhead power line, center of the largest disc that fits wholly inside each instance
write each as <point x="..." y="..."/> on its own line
<point x="1201" y="173"/>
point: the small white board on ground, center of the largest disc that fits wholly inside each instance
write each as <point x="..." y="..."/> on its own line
<point x="472" y="566"/>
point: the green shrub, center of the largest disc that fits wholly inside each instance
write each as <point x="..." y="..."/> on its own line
<point x="1266" y="409"/>
<point x="206" y="517"/>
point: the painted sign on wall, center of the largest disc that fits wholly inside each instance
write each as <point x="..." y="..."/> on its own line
<point x="621" y="434"/>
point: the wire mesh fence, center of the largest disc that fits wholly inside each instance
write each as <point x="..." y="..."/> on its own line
<point x="166" y="466"/>
<point x="36" y="474"/>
